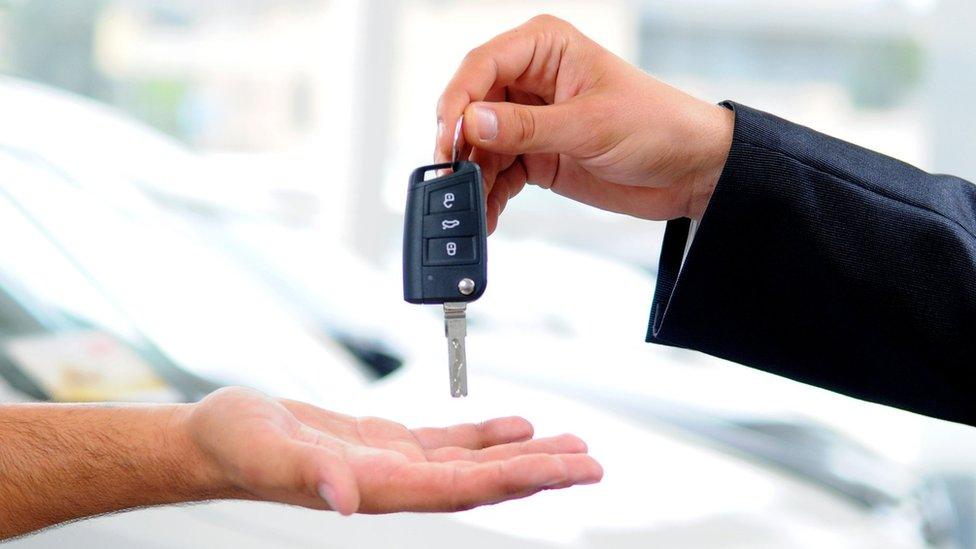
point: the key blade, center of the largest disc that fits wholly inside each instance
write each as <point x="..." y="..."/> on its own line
<point x="456" y="144"/>
<point x="456" y="328"/>
<point x="458" y="369"/>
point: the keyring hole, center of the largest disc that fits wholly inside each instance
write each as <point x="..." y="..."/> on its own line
<point x="434" y="173"/>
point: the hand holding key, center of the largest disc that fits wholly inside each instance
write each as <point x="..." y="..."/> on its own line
<point x="545" y="104"/>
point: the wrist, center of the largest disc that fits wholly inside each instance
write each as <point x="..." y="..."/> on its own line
<point x="204" y="475"/>
<point x="714" y="134"/>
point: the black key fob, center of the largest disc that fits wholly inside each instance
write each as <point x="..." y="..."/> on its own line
<point x="445" y="235"/>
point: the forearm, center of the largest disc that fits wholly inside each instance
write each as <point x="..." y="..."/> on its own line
<point x="63" y="462"/>
<point x="833" y="265"/>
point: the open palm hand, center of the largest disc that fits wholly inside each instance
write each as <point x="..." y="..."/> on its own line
<point x="292" y="452"/>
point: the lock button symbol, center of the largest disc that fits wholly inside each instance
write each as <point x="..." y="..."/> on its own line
<point x="451" y="251"/>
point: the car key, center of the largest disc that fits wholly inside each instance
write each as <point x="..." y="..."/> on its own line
<point x="445" y="251"/>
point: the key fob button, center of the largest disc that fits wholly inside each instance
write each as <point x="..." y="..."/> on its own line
<point x="451" y="251"/>
<point x="452" y="224"/>
<point x="450" y="199"/>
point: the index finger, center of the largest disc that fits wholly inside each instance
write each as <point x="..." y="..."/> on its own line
<point x="499" y="63"/>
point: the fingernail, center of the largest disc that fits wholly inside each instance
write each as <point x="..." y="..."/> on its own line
<point x="440" y="129"/>
<point x="326" y="493"/>
<point x="487" y="122"/>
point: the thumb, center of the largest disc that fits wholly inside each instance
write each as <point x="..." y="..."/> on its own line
<point x="329" y="476"/>
<point x="513" y="128"/>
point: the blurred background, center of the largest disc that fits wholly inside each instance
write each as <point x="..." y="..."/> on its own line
<point x="201" y="193"/>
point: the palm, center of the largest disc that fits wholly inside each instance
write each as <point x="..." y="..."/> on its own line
<point x="286" y="451"/>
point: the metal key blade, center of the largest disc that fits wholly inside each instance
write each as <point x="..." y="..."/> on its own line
<point x="455" y="328"/>
<point x="457" y="144"/>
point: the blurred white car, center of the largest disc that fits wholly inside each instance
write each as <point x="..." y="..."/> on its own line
<point x="96" y="264"/>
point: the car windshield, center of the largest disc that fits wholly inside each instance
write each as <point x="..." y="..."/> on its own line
<point x="112" y="259"/>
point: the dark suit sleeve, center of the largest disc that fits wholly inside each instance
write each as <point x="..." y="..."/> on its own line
<point x="830" y="264"/>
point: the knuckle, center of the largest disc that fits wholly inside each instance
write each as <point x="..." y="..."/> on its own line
<point x="550" y="22"/>
<point x="473" y="55"/>
<point x="479" y="431"/>
<point x="454" y="499"/>
<point x="526" y="125"/>
<point x="547" y="20"/>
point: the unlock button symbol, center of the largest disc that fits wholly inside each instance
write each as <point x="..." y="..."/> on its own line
<point x="456" y="198"/>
